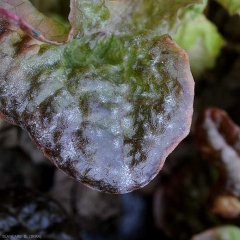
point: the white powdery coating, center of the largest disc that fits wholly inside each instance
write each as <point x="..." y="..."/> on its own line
<point x="112" y="136"/>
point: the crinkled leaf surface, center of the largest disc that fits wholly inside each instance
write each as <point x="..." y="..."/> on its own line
<point x="228" y="232"/>
<point x="87" y="16"/>
<point x="157" y="15"/>
<point x="107" y="108"/>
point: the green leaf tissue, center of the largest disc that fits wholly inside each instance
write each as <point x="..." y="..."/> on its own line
<point x="107" y="100"/>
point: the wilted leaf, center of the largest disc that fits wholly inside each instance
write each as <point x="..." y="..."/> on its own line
<point x="107" y="109"/>
<point x="220" y="233"/>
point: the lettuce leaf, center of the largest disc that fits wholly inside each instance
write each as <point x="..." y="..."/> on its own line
<point x="108" y="106"/>
<point x="200" y="38"/>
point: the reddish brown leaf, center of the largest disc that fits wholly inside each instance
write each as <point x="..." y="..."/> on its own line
<point x="219" y="138"/>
